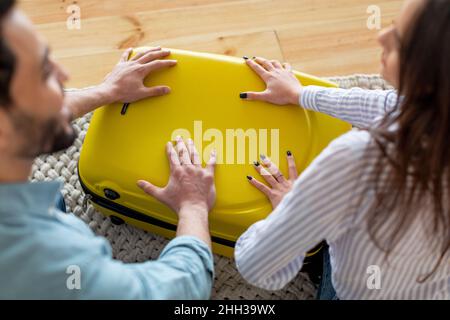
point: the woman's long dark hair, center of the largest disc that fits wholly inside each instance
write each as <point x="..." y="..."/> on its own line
<point x="414" y="138"/>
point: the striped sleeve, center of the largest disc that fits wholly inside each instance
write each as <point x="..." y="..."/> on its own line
<point x="357" y="106"/>
<point x="271" y="252"/>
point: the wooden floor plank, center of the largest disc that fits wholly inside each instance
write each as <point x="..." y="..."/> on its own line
<point x="57" y="10"/>
<point x="329" y="50"/>
<point x="103" y="34"/>
<point x="87" y="70"/>
<point x="319" y="37"/>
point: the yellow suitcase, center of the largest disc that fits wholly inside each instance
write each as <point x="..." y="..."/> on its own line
<point x="123" y="147"/>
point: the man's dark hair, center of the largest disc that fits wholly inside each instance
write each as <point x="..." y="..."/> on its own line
<point x="7" y="59"/>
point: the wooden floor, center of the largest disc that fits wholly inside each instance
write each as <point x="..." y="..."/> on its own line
<point x="322" y="37"/>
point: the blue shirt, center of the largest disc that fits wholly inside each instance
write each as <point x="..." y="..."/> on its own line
<point x="48" y="254"/>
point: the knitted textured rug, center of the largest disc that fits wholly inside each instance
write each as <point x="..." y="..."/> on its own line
<point x="133" y="245"/>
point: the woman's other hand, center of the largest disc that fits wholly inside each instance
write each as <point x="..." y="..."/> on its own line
<point x="282" y="87"/>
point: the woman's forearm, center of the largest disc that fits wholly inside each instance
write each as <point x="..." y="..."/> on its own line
<point x="357" y="106"/>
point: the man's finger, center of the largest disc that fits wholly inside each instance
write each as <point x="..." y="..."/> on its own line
<point x="153" y="55"/>
<point x="142" y="53"/>
<point x="126" y="55"/>
<point x="183" y="153"/>
<point x="157" y="64"/>
<point x="293" y="172"/>
<point x="172" y="155"/>
<point x="155" y="91"/>
<point x="259" y="185"/>
<point x="149" y="188"/>
<point x="138" y="55"/>
<point x="195" y="158"/>
<point x="211" y="165"/>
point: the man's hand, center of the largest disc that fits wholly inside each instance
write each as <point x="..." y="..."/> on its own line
<point x="190" y="192"/>
<point x="282" y="85"/>
<point x="189" y="183"/>
<point x="126" y="81"/>
<point x="124" y="84"/>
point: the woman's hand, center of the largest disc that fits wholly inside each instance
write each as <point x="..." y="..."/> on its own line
<point x="282" y="85"/>
<point x="190" y="185"/>
<point x="270" y="172"/>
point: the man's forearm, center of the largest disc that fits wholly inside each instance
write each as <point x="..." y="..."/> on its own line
<point x="193" y="221"/>
<point x="82" y="101"/>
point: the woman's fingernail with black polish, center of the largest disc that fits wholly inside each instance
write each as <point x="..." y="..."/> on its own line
<point x="245" y="57"/>
<point x="253" y="58"/>
<point x="289" y="153"/>
<point x="249" y="178"/>
<point x="256" y="163"/>
<point x="243" y="95"/>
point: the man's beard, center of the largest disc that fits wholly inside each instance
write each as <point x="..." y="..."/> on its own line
<point x="43" y="138"/>
<point x="56" y="137"/>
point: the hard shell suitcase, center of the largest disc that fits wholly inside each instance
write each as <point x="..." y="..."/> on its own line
<point x="127" y="143"/>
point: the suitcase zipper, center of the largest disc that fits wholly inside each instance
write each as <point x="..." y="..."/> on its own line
<point x="87" y="197"/>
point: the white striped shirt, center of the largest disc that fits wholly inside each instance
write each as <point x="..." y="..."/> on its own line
<point x="319" y="207"/>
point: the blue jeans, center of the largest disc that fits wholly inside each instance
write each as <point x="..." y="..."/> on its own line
<point x="326" y="290"/>
<point x="60" y="203"/>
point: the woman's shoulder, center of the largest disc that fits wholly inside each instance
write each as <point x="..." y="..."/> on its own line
<point x="355" y="145"/>
<point x="355" y="140"/>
